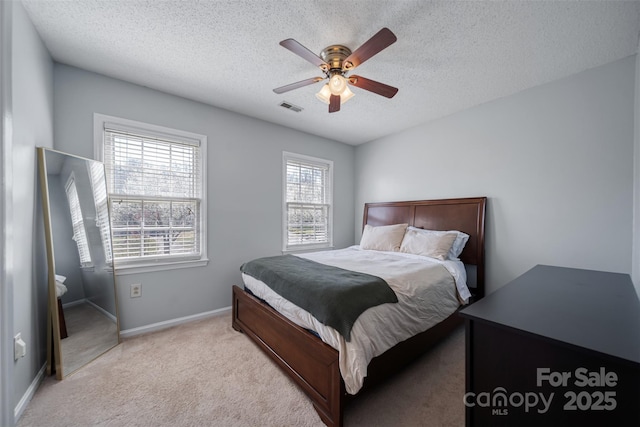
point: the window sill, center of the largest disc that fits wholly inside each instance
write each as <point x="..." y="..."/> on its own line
<point x="121" y="270"/>
<point x="307" y="249"/>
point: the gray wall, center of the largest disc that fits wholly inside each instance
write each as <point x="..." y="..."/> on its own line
<point x="556" y="162"/>
<point x="32" y="102"/>
<point x="244" y="186"/>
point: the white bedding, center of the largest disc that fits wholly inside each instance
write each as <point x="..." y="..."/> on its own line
<point x="422" y="303"/>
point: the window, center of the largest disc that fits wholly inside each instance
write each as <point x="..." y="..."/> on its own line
<point x="77" y="222"/>
<point x="308" y="195"/>
<point x="99" y="190"/>
<point x="155" y="179"/>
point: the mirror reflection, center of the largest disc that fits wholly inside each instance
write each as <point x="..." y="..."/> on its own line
<point x="82" y="295"/>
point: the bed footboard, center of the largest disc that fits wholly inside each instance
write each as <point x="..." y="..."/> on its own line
<point x="312" y="364"/>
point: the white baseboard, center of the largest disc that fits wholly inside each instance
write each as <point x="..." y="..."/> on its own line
<point x="173" y="322"/>
<point x="28" y="395"/>
<point x="74" y="303"/>
<point x="92" y="304"/>
<point x="102" y="310"/>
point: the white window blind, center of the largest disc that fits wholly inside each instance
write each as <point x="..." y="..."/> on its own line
<point x="77" y="222"/>
<point x="99" y="187"/>
<point x="154" y="183"/>
<point x="308" y="202"/>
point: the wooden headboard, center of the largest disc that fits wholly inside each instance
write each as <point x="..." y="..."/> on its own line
<point x="466" y="215"/>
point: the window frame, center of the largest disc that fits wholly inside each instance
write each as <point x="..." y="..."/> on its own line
<point x="160" y="263"/>
<point x="97" y="178"/>
<point x="77" y="223"/>
<point x="289" y="248"/>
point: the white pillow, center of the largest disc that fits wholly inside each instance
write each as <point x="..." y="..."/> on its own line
<point x="458" y="244"/>
<point x="383" y="238"/>
<point x="60" y="289"/>
<point x="427" y="244"/>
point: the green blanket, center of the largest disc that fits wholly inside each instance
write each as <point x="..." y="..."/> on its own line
<point x="334" y="296"/>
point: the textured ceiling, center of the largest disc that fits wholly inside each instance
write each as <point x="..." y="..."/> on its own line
<point x="449" y="55"/>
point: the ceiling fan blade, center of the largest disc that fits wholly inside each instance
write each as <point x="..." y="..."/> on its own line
<point x="373" y="86"/>
<point x="304" y="53"/>
<point x="292" y="86"/>
<point x="381" y="40"/>
<point x="334" y="103"/>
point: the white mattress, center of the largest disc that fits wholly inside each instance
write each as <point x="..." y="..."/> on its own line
<point x="427" y="291"/>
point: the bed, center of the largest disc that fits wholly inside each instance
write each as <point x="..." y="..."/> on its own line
<point x="315" y="365"/>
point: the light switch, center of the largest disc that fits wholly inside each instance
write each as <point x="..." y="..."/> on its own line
<point x="19" y="347"/>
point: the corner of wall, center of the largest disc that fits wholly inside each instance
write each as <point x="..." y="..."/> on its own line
<point x="6" y="284"/>
<point x="635" y="252"/>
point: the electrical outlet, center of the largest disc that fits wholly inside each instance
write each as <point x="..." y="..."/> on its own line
<point x="136" y="290"/>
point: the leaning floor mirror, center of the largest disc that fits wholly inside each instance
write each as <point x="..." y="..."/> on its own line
<point x="83" y="309"/>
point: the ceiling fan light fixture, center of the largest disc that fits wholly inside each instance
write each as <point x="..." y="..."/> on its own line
<point x="346" y="95"/>
<point x="337" y="84"/>
<point x="325" y="94"/>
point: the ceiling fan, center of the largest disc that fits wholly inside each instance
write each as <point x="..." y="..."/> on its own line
<point x="336" y="61"/>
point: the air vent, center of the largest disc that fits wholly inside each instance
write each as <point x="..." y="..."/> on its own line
<point x="290" y="106"/>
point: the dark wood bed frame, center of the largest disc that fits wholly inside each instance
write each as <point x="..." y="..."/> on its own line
<point x="314" y="365"/>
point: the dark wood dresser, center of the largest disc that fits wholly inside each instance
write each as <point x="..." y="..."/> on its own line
<point x="555" y="347"/>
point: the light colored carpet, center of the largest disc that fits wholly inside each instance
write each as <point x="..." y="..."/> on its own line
<point x="206" y="374"/>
